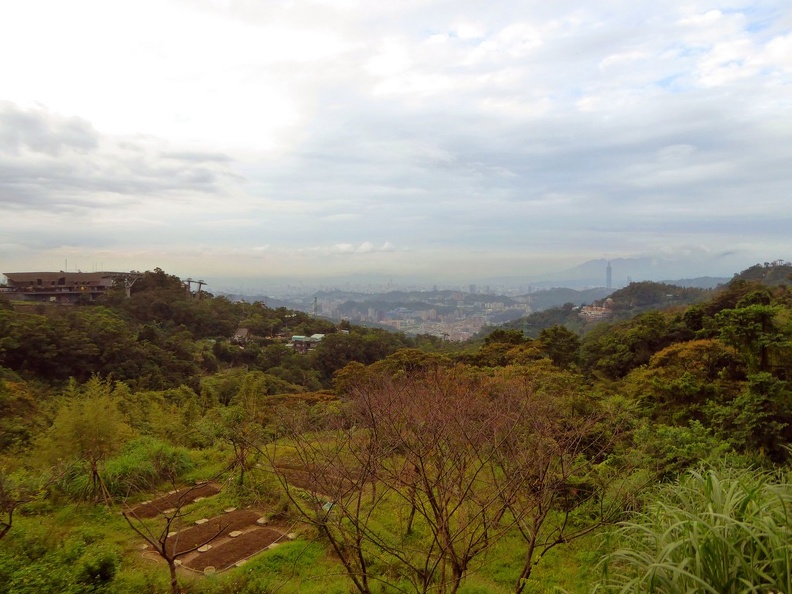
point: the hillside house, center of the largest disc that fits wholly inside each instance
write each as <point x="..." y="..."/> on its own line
<point x="303" y="344"/>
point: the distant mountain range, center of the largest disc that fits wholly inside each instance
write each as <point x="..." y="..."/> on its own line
<point x="685" y="272"/>
<point x="624" y="271"/>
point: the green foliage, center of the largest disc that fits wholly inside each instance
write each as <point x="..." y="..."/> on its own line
<point x="565" y="315"/>
<point x="759" y="419"/>
<point x="97" y="566"/>
<point x="714" y="532"/>
<point x="684" y="378"/>
<point x="753" y="328"/>
<point x="336" y="351"/>
<point x="503" y="336"/>
<point x="669" y="450"/>
<point x="401" y="363"/>
<point x="39" y="559"/>
<point x="88" y="429"/>
<point x="710" y="382"/>
<point x="561" y="345"/>
<point x="614" y="350"/>
<point x="769" y="273"/>
<point x="642" y="295"/>
<point x="144" y="463"/>
<point x="20" y="414"/>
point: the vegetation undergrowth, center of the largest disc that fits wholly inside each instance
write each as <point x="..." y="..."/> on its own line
<point x="718" y="531"/>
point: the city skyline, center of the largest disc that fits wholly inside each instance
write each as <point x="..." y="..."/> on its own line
<point x="437" y="140"/>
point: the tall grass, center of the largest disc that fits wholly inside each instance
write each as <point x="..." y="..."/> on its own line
<point x="142" y="464"/>
<point x="715" y="532"/>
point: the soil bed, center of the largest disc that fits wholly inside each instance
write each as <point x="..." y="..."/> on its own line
<point x="314" y="480"/>
<point x="234" y="550"/>
<point x="217" y="527"/>
<point x="174" y="500"/>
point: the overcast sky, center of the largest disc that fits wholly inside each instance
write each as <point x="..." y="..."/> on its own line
<point x="452" y="138"/>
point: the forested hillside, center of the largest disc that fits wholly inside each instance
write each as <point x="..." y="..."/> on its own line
<point x="382" y="463"/>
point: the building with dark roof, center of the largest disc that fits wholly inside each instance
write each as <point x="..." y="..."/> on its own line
<point x="63" y="287"/>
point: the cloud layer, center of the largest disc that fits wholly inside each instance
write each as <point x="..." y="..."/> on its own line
<point x="452" y="139"/>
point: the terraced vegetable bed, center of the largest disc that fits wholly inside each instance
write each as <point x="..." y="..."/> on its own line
<point x="179" y="498"/>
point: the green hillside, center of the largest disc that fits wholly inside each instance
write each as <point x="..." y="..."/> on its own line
<point x="138" y="431"/>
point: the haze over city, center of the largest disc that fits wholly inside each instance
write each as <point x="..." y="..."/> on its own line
<point x="425" y="139"/>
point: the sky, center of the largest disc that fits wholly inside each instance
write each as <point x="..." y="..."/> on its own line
<point x="437" y="138"/>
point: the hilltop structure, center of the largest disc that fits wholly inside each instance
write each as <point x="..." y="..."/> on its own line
<point x="64" y="287"/>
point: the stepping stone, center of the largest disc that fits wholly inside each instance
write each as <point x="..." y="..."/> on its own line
<point x="197" y="499"/>
<point x="204" y="548"/>
<point x="262" y="521"/>
<point x="201" y="521"/>
<point x="143" y="547"/>
<point x="235" y="533"/>
<point x="169" y="511"/>
<point x="291" y="535"/>
<point x="177" y="562"/>
<point x="273" y="545"/>
<point x="209" y="570"/>
<point x="228" y="510"/>
<point x="240" y="563"/>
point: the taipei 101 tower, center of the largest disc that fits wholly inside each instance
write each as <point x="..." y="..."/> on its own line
<point x="608" y="277"/>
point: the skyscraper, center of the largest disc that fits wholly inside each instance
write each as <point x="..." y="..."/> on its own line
<point x="608" y="277"/>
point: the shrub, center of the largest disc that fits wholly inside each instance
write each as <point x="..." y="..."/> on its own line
<point x="97" y="566"/>
<point x="144" y="462"/>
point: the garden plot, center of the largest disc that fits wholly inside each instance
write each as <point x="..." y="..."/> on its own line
<point x="315" y="480"/>
<point x="209" y="529"/>
<point x="223" y="541"/>
<point x="175" y="499"/>
<point x="233" y="549"/>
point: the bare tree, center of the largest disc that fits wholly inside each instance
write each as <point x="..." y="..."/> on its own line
<point x="424" y="470"/>
<point x="413" y="449"/>
<point x="549" y="464"/>
<point x="436" y="428"/>
<point x="329" y="480"/>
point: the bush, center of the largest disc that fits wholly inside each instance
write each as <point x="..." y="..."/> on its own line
<point x="144" y="462"/>
<point x="97" y="566"/>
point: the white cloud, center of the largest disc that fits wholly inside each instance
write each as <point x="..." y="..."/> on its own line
<point x="186" y="130"/>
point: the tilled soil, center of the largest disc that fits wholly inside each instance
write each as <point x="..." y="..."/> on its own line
<point x="233" y="550"/>
<point x="217" y="527"/>
<point x="314" y="480"/>
<point x="174" y="500"/>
